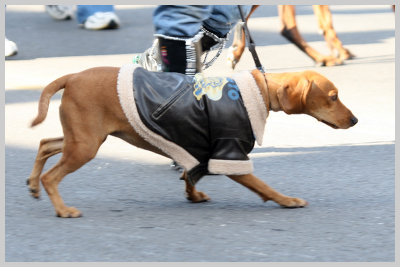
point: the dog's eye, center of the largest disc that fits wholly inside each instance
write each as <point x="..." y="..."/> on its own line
<point x="334" y="97"/>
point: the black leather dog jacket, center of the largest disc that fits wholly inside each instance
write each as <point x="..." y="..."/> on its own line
<point x="200" y="122"/>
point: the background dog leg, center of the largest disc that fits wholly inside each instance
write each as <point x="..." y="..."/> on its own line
<point x="324" y="17"/>
<point x="266" y="192"/>
<point x="287" y="14"/>
<point x="236" y="50"/>
<point x="47" y="148"/>
<point x="191" y="193"/>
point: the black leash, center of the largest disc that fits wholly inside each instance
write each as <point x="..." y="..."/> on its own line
<point x="252" y="45"/>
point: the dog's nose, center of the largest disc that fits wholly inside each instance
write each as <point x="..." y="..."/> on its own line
<point x="354" y="121"/>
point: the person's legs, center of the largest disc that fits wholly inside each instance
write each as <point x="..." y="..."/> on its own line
<point x="223" y="18"/>
<point x="196" y="28"/>
<point x="180" y="21"/>
<point x="184" y="32"/>
<point x="97" y="17"/>
<point x="178" y="29"/>
<point x="85" y="11"/>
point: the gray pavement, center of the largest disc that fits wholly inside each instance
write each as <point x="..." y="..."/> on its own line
<point x="133" y="203"/>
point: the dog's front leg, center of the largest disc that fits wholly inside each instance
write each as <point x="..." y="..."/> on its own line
<point x="191" y="193"/>
<point x="266" y="192"/>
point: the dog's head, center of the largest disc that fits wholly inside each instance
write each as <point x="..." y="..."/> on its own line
<point x="313" y="94"/>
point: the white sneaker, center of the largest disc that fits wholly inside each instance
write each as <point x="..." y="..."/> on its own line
<point x="10" y="48"/>
<point x="60" y="12"/>
<point x="102" y="20"/>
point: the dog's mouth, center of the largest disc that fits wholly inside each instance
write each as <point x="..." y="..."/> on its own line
<point x="330" y="124"/>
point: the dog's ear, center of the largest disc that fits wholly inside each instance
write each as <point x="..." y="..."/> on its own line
<point x="292" y="96"/>
<point x="306" y="90"/>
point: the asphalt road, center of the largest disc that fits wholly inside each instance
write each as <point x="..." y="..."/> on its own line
<point x="133" y="204"/>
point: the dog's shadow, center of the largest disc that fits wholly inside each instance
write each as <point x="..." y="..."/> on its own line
<point x="326" y="176"/>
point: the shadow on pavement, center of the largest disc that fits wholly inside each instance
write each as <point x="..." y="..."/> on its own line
<point x="138" y="212"/>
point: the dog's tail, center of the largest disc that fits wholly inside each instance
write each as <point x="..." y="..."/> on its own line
<point x="47" y="93"/>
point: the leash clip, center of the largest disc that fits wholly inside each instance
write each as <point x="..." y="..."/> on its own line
<point x="261" y="69"/>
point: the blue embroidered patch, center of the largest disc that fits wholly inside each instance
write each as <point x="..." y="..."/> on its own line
<point x="213" y="87"/>
<point x="210" y="86"/>
<point x="233" y="91"/>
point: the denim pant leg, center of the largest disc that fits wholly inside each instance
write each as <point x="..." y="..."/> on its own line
<point x="85" y="11"/>
<point x="224" y="17"/>
<point x="180" y="21"/>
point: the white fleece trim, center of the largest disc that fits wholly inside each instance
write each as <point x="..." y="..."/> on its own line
<point x="230" y="167"/>
<point x="127" y="101"/>
<point x="254" y="103"/>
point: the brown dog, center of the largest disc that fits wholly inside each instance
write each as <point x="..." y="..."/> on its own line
<point x="90" y="111"/>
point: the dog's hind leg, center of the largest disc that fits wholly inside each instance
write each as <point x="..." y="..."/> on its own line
<point x="47" y="148"/>
<point x="266" y="192"/>
<point x="191" y="193"/>
<point x="76" y="153"/>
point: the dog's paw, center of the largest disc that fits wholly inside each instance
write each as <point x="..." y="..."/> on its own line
<point x="346" y="55"/>
<point x="198" y="197"/>
<point x="329" y="61"/>
<point x="69" y="212"/>
<point x="292" y="202"/>
<point x="230" y="59"/>
<point x="34" y="189"/>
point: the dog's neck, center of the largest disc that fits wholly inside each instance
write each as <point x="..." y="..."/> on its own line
<point x="268" y="84"/>
<point x="273" y="83"/>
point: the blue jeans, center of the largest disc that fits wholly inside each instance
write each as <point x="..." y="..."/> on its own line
<point x="186" y="21"/>
<point x="85" y="11"/>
